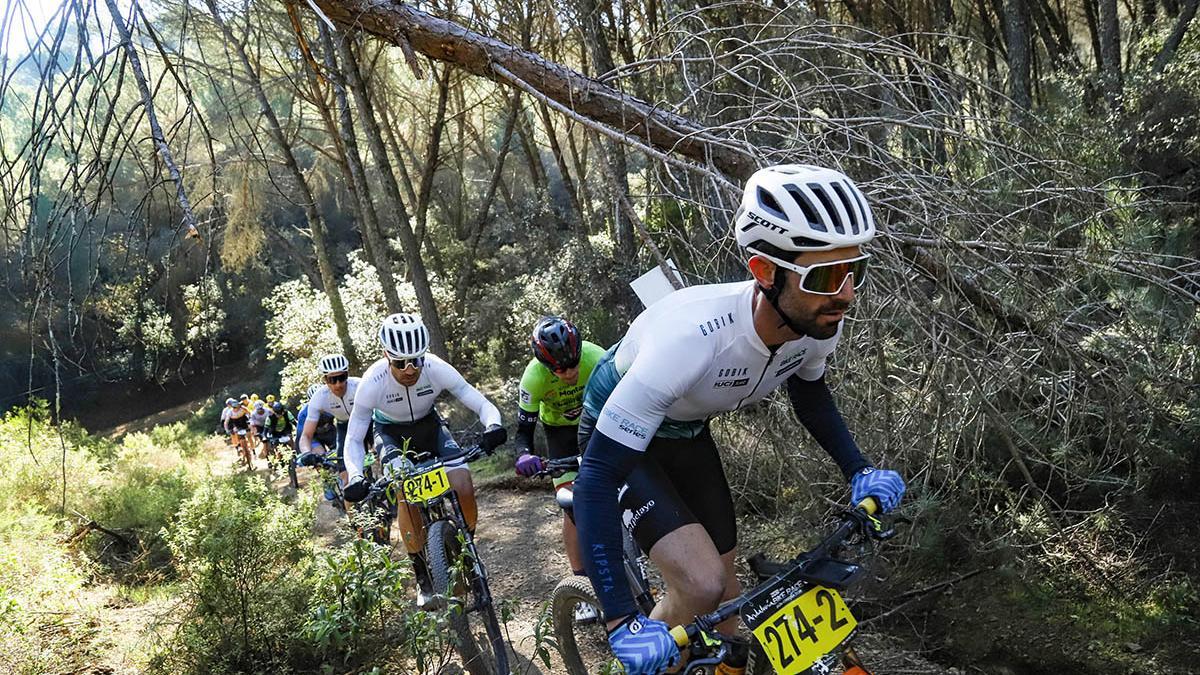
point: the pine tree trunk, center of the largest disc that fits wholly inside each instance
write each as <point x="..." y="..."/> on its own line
<point x="358" y="176"/>
<point x="316" y="224"/>
<point x="412" y="248"/>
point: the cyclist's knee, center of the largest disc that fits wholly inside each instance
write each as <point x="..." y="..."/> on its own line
<point x="704" y="584"/>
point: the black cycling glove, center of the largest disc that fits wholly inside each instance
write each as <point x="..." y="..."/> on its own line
<point x="494" y="437"/>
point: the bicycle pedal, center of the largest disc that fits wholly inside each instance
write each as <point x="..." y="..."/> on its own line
<point x="430" y="602"/>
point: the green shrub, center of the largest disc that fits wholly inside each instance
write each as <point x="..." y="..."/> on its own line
<point x="243" y="557"/>
<point x="359" y="591"/>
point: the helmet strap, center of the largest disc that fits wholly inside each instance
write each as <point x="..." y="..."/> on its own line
<point x="772" y="296"/>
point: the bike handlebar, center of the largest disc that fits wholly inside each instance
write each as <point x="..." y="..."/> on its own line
<point x="858" y="519"/>
<point x="558" y="467"/>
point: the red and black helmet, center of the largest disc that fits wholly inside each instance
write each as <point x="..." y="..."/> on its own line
<point x="556" y="343"/>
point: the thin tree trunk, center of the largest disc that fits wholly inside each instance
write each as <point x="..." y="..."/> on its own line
<point x="316" y="223"/>
<point x="561" y="162"/>
<point x="1176" y="37"/>
<point x="466" y="276"/>
<point x="412" y="248"/>
<point x="358" y="176"/>
<point x="433" y="150"/>
<point x="614" y="153"/>
<point x="1110" y="51"/>
<point x="160" y="141"/>
<point x="1016" y="37"/>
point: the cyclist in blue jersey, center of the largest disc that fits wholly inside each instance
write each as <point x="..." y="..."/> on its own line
<point x="700" y="352"/>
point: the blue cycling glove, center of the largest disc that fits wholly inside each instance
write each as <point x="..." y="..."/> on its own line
<point x="644" y="646"/>
<point x="882" y="484"/>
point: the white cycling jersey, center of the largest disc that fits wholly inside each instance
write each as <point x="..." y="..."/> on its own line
<point x="387" y="401"/>
<point x="324" y="401"/>
<point x="258" y="418"/>
<point x="225" y="414"/>
<point x="695" y="354"/>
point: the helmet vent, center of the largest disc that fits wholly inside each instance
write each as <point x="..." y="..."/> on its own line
<point x="810" y="213"/>
<point x="827" y="203"/>
<point x="767" y="201"/>
<point x="840" y="190"/>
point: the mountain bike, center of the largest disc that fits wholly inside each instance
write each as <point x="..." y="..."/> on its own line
<point x="800" y="623"/>
<point x="245" y="454"/>
<point x="578" y="621"/>
<point x="796" y="614"/>
<point x="456" y="573"/>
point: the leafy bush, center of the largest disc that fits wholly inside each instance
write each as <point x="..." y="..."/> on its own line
<point x="359" y="590"/>
<point x="244" y="557"/>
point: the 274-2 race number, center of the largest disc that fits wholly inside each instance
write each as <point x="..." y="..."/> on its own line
<point x="804" y="630"/>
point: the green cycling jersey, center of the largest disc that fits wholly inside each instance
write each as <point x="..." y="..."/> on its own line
<point x="557" y="403"/>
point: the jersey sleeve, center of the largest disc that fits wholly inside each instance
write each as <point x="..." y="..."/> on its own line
<point x="530" y="390"/>
<point x="449" y="379"/>
<point x="356" y="432"/>
<point x="660" y="374"/>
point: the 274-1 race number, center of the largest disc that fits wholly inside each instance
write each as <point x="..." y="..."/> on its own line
<point x="426" y="486"/>
<point x="805" y="629"/>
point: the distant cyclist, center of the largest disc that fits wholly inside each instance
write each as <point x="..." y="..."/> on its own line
<point x="398" y="392"/>
<point x="225" y="413"/>
<point x="552" y="390"/>
<point x="239" y="426"/>
<point x="258" y="420"/>
<point x="703" y="351"/>
<point x="280" y="423"/>
<point x="336" y="399"/>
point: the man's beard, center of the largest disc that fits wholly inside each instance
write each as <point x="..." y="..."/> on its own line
<point x="808" y="322"/>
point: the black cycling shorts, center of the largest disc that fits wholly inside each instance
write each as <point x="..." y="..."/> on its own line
<point x="680" y="481"/>
<point x="427" y="438"/>
<point x="560" y="441"/>
<point x="242" y="422"/>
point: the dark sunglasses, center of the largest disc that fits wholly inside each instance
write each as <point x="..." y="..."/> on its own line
<point x="405" y="364"/>
<point x="337" y="379"/>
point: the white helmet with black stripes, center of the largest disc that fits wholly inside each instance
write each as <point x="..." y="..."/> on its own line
<point x="403" y="336"/>
<point x="333" y="363"/>
<point x="798" y="207"/>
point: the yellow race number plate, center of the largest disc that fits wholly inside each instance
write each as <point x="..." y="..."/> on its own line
<point x="806" y="629"/>
<point x="426" y="486"/>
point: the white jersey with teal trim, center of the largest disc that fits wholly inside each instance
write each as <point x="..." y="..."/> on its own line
<point x="695" y="354"/>
<point x="387" y="401"/>
<point x="324" y="401"/>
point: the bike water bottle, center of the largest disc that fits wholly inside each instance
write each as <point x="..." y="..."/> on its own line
<point x="734" y="662"/>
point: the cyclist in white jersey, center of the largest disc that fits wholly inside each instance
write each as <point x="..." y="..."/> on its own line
<point x="397" y="397"/>
<point x="335" y="398"/>
<point x="697" y="353"/>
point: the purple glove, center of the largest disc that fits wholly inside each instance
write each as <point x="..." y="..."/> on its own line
<point x="529" y="465"/>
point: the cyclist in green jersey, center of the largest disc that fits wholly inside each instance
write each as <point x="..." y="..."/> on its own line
<point x="552" y="391"/>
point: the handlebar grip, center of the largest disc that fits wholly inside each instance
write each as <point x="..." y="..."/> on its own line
<point x="870" y="505"/>
<point x="680" y="635"/>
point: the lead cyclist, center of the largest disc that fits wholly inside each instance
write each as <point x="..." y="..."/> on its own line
<point x="706" y="350"/>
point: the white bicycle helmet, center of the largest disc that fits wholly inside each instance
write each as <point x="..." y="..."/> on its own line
<point x="312" y="389"/>
<point x="333" y="363"/>
<point x="403" y="336"/>
<point x="797" y="207"/>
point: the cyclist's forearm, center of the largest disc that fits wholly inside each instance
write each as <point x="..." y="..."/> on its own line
<point x="605" y="467"/>
<point x="816" y="410"/>
<point x="356" y="451"/>
<point x="526" y="424"/>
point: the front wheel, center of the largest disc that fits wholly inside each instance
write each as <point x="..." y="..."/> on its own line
<point x="579" y="627"/>
<point x="453" y="575"/>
